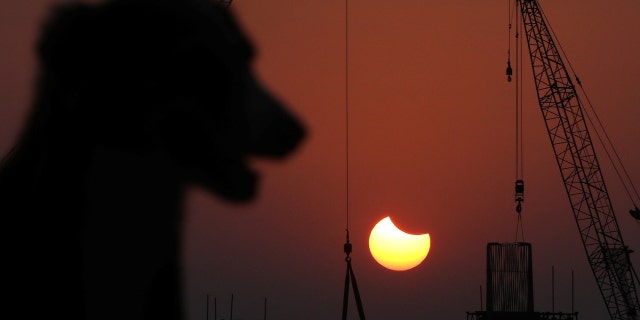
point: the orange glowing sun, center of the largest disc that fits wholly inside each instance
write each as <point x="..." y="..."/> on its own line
<point x="396" y="250"/>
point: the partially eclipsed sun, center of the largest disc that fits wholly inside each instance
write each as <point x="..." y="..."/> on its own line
<point x="395" y="249"/>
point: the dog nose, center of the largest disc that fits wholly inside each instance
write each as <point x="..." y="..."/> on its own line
<point x="282" y="137"/>
<point x="275" y="132"/>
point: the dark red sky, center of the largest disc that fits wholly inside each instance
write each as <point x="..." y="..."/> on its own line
<point x="431" y="144"/>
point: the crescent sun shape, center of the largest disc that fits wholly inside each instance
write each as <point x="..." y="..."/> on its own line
<point x="395" y="249"/>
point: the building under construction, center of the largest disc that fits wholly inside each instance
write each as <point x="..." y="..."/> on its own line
<point x="510" y="286"/>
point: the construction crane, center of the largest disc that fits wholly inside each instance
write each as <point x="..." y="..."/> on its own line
<point x="576" y="158"/>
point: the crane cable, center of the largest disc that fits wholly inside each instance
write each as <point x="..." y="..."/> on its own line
<point x="606" y="142"/>
<point x="509" y="69"/>
<point x="350" y="277"/>
<point x="346" y="108"/>
<point x="519" y="154"/>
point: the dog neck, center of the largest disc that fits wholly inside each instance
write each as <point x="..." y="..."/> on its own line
<point x="112" y="169"/>
<point x="132" y="228"/>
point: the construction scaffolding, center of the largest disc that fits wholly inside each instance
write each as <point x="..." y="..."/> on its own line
<point x="510" y="286"/>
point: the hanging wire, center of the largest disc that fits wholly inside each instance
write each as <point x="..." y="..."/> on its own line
<point x="346" y="103"/>
<point x="606" y="142"/>
<point x="520" y="102"/>
<point x="509" y="69"/>
<point x="609" y="144"/>
<point x="350" y="277"/>
<point x="519" y="150"/>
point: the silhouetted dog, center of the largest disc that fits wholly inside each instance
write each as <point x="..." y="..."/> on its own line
<point x="135" y="99"/>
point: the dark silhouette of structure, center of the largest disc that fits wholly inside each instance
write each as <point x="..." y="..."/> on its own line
<point x="350" y="279"/>
<point x="567" y="126"/>
<point x="135" y="100"/>
<point x="510" y="286"/>
<point x="509" y="277"/>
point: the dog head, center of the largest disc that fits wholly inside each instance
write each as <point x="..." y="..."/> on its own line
<point x="164" y="77"/>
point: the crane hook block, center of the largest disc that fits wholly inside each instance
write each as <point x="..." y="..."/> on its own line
<point x="519" y="188"/>
<point x="347" y="248"/>
<point x="347" y="245"/>
<point x="509" y="71"/>
<point x="519" y="195"/>
<point x="635" y="213"/>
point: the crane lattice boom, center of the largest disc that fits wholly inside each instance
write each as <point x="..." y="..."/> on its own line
<point x="579" y="167"/>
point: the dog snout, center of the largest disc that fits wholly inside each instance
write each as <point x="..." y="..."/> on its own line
<point x="275" y="132"/>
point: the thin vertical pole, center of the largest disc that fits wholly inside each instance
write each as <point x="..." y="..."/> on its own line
<point x="553" y="290"/>
<point x="265" y="308"/>
<point x="572" y="310"/>
<point x="231" y="313"/>
<point x="207" y="306"/>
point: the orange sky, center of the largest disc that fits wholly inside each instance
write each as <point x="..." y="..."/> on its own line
<point x="431" y="132"/>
